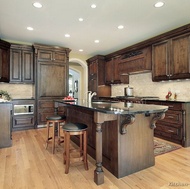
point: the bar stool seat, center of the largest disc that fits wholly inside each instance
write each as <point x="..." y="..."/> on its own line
<point x="56" y="121"/>
<point x="70" y="129"/>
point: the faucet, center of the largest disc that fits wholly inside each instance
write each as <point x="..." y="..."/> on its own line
<point x="90" y="95"/>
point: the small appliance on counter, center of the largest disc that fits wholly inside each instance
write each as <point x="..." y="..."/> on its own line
<point x="128" y="91"/>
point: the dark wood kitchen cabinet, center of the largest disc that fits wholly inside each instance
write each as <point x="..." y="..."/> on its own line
<point x="5" y="126"/>
<point x="23" y="120"/>
<point x="138" y="61"/>
<point x="4" y="61"/>
<point x="51" y="78"/>
<point x="51" y="55"/>
<point x="112" y="74"/>
<point x="171" y="59"/>
<point x="174" y="127"/>
<point x="21" y="64"/>
<point x="47" y="108"/>
<point x="96" y="75"/>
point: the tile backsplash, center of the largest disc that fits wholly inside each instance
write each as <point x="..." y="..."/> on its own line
<point x="143" y="86"/>
<point x="18" y="91"/>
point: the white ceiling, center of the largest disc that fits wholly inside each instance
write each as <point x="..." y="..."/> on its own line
<point x="140" y="18"/>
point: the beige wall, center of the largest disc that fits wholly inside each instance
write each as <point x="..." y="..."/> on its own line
<point x="143" y="86"/>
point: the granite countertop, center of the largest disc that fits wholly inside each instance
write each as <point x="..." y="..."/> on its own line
<point x="116" y="107"/>
<point x="172" y="100"/>
<point x="5" y="102"/>
<point x="182" y="100"/>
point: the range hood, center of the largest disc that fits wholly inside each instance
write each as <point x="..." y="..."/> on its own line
<point x="136" y="62"/>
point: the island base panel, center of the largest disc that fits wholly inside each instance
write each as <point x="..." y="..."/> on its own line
<point x="136" y="147"/>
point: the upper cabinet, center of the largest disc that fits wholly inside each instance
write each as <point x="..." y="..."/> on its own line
<point x="4" y="61"/>
<point x="51" y="70"/>
<point x="96" y="75"/>
<point x="112" y="73"/>
<point x="171" y="59"/>
<point x="21" y="64"/>
<point x="138" y="61"/>
<point x="52" y="56"/>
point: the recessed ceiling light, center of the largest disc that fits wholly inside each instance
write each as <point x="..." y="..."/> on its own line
<point x="81" y="19"/>
<point x="37" y="5"/>
<point x="93" y="6"/>
<point x="159" y="4"/>
<point x="120" y="27"/>
<point x="81" y="50"/>
<point x="96" y="41"/>
<point x="30" y="28"/>
<point x="67" y="35"/>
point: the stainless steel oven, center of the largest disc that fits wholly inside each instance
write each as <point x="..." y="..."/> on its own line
<point x="23" y="109"/>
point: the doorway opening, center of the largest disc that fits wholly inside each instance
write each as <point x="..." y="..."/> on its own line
<point x="78" y="77"/>
<point x="74" y="83"/>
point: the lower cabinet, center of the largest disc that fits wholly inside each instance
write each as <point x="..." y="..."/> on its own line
<point x="23" y="122"/>
<point x="23" y="114"/>
<point x="47" y="108"/>
<point x="5" y="127"/>
<point x="172" y="127"/>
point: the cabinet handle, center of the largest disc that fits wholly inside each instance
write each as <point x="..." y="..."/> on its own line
<point x="170" y="117"/>
<point x="171" y="106"/>
<point x="170" y="131"/>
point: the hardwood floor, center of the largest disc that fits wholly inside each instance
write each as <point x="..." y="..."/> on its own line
<point x="28" y="165"/>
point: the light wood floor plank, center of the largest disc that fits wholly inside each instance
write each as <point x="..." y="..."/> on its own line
<point x="28" y="165"/>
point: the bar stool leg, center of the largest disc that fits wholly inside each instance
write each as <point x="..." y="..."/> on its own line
<point x="85" y="150"/>
<point x="81" y="145"/>
<point x="64" y="149"/>
<point x="67" y="150"/>
<point x="47" y="134"/>
<point x="53" y="138"/>
<point x="58" y="133"/>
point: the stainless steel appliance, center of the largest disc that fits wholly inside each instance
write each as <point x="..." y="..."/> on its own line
<point x="128" y="91"/>
<point x="23" y="109"/>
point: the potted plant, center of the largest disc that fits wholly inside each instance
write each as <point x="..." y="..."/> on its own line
<point x="5" y="95"/>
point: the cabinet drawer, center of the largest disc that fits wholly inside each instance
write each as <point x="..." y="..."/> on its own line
<point x="172" y="117"/>
<point x="173" y="106"/>
<point x="169" y="132"/>
<point x="23" y="121"/>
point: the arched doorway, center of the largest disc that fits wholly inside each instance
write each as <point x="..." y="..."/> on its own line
<point x="80" y="67"/>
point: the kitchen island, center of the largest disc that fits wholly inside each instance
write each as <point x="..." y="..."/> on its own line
<point x="120" y="136"/>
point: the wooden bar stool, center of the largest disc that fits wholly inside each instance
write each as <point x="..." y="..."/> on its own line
<point x="70" y="129"/>
<point x="56" y="121"/>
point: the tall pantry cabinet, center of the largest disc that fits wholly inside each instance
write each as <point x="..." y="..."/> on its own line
<point x="51" y="64"/>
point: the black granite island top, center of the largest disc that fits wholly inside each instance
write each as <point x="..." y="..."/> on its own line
<point x="114" y="107"/>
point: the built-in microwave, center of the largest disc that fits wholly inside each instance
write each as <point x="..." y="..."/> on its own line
<point x="23" y="109"/>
